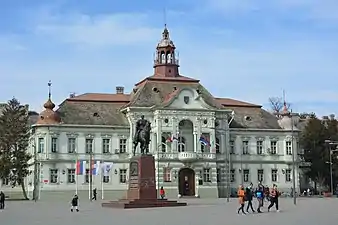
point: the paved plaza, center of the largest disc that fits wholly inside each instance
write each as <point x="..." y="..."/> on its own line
<point x="199" y="212"/>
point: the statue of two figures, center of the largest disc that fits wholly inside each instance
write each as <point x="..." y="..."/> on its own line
<point x="142" y="136"/>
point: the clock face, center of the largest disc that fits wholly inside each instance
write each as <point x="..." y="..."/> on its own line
<point x="133" y="168"/>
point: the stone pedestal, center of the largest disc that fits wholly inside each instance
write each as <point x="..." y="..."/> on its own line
<point x="142" y="191"/>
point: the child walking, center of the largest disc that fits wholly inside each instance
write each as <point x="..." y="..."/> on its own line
<point x="241" y="195"/>
<point x="75" y="203"/>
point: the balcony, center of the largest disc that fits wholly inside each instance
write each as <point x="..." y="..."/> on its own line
<point x="187" y="156"/>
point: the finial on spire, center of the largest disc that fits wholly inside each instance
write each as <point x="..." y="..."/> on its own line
<point x="49" y="89"/>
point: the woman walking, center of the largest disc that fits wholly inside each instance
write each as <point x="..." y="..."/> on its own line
<point x="241" y="195"/>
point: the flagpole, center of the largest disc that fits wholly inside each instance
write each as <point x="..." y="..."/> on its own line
<point x="76" y="173"/>
<point x="102" y="188"/>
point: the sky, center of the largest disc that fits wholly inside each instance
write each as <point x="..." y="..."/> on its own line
<point x="248" y="50"/>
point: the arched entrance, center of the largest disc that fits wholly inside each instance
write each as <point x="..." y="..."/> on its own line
<point x="186" y="182"/>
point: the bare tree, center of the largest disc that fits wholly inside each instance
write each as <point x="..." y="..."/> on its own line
<point x="277" y="104"/>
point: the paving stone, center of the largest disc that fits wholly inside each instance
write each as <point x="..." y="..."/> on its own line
<point x="199" y="212"/>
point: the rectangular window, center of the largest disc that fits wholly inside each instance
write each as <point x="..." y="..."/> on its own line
<point x="273" y="147"/>
<point x="89" y="146"/>
<point x="87" y="176"/>
<point x="245" y="147"/>
<point x="53" y="176"/>
<point x="71" y="145"/>
<point x="246" y="175"/>
<point x="105" y="145"/>
<point x="71" y="176"/>
<point x="260" y="175"/>
<point x="123" y="145"/>
<point x="232" y="175"/>
<point x="5" y="181"/>
<point x="54" y="145"/>
<point x="166" y="174"/>
<point x="41" y="145"/>
<point x="218" y="175"/>
<point x="105" y="179"/>
<point x="288" y="146"/>
<point x="274" y="175"/>
<point x="232" y="147"/>
<point x="259" y="147"/>
<point x="206" y="175"/>
<point x="288" y="175"/>
<point x="123" y="176"/>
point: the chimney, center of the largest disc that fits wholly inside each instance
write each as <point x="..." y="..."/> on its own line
<point x="72" y="95"/>
<point x="119" y="90"/>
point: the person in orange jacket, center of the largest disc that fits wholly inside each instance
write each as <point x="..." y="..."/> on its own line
<point x="241" y="195"/>
<point x="162" y="193"/>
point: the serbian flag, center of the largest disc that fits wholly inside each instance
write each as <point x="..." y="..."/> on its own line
<point x="80" y="167"/>
<point x="204" y="141"/>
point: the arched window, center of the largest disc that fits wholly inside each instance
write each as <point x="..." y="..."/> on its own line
<point x="217" y="145"/>
<point x="181" y="144"/>
<point x="163" y="144"/>
<point x="162" y="57"/>
<point x="168" y="57"/>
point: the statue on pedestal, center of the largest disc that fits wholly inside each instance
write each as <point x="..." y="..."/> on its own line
<point x="142" y="135"/>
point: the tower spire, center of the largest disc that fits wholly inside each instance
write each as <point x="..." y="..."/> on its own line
<point x="285" y="111"/>
<point x="166" y="61"/>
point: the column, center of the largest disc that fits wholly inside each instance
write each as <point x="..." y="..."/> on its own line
<point x="153" y="141"/>
<point x="131" y="134"/>
<point x="195" y="141"/>
<point x="159" y="133"/>
<point x="212" y="142"/>
<point x="198" y="134"/>
<point x="174" y="133"/>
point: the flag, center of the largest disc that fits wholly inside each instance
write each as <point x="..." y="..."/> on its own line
<point x="80" y="167"/>
<point x="96" y="168"/>
<point x="106" y="168"/>
<point x="204" y="141"/>
<point x="171" y="138"/>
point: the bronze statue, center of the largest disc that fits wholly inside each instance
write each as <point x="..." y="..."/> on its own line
<point x="142" y="135"/>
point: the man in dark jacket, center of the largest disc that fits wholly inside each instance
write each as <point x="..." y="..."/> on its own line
<point x="2" y="200"/>
<point x="248" y="197"/>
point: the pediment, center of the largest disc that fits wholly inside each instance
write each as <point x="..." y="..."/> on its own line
<point x="187" y="99"/>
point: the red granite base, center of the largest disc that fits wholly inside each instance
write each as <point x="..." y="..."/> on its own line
<point x="142" y="203"/>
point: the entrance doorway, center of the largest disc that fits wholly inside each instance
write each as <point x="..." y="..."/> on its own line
<point x="186" y="182"/>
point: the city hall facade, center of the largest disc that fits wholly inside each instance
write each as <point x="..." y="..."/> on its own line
<point x="212" y="143"/>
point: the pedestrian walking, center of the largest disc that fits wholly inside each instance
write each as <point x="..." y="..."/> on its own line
<point x="274" y="194"/>
<point x="241" y="196"/>
<point x="248" y="197"/>
<point x="260" y="197"/>
<point x="75" y="204"/>
<point x="2" y="200"/>
<point x="94" y="194"/>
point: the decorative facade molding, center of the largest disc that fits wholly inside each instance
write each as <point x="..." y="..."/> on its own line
<point x="90" y="136"/>
<point x="274" y="138"/>
<point x="54" y="134"/>
<point x="245" y="138"/>
<point x="260" y="138"/>
<point x="41" y="135"/>
<point x="72" y="135"/>
<point x="106" y="136"/>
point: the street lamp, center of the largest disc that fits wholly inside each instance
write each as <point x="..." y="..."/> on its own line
<point x="331" y="151"/>
<point x="225" y="140"/>
<point x="293" y="161"/>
